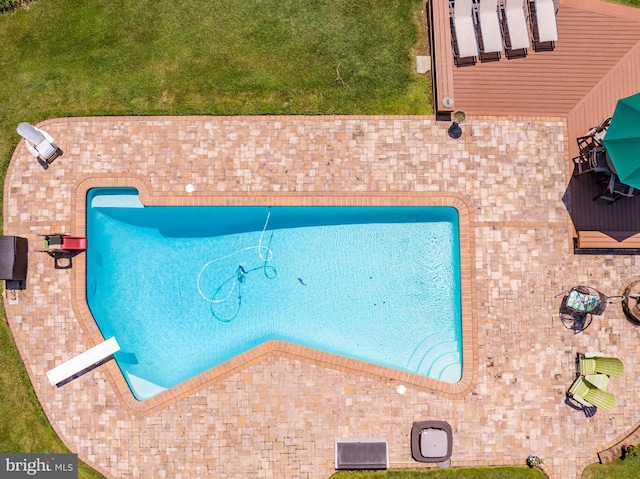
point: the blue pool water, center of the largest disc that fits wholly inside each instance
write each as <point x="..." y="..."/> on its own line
<point x="184" y="289"/>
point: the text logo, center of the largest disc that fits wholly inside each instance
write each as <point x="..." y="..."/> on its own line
<point x="40" y="466"/>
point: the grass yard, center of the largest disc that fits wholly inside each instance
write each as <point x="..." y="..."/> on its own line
<point x="629" y="468"/>
<point x="630" y="3"/>
<point x="167" y="57"/>
<point x="451" y="473"/>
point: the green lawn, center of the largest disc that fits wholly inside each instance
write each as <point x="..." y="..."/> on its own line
<point x="451" y="473"/>
<point x="630" y="3"/>
<point x="628" y="468"/>
<point x="223" y="57"/>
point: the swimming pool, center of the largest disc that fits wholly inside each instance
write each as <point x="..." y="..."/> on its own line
<point x="185" y="289"/>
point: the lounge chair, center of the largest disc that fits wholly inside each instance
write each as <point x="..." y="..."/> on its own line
<point x="39" y="143"/>
<point x="597" y="363"/>
<point x="463" y="32"/>
<point x="589" y="395"/>
<point x="544" y="28"/>
<point x="516" y="15"/>
<point x="601" y="381"/>
<point x="490" y="21"/>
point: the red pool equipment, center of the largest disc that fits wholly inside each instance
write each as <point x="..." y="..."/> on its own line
<point x="74" y="243"/>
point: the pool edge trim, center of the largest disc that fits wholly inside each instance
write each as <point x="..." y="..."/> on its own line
<point x="149" y="196"/>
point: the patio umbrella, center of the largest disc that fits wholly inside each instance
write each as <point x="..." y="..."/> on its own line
<point x="622" y="140"/>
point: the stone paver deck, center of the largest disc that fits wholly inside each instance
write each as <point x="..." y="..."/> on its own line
<point x="278" y="416"/>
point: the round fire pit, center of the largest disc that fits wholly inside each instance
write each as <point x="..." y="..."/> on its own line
<point x="630" y="299"/>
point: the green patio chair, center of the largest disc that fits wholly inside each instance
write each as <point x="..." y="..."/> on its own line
<point x="587" y="394"/>
<point x="601" y="381"/>
<point x="592" y="363"/>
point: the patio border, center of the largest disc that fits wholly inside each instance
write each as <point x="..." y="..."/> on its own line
<point x="278" y="348"/>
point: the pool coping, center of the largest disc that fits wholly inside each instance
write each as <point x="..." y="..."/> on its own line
<point x="149" y="196"/>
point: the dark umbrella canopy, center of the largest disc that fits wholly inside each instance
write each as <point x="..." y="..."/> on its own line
<point x="622" y="140"/>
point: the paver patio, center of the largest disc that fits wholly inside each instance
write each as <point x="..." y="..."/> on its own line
<point x="279" y="416"/>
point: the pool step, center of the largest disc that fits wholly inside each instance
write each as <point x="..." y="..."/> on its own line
<point x="143" y="389"/>
<point x="116" y="201"/>
<point x="437" y="358"/>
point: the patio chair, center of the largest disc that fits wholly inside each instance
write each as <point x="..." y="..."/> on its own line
<point x="544" y="28"/>
<point x="584" y="299"/>
<point x="39" y="143"/>
<point x="464" y="42"/>
<point x="596" y="363"/>
<point x="586" y="144"/>
<point x="601" y="381"/>
<point x="580" y="303"/>
<point x="598" y="132"/>
<point x="606" y="193"/>
<point x="593" y="160"/>
<point x="619" y="188"/>
<point x="490" y="22"/>
<point x="598" y="160"/>
<point x="589" y="142"/>
<point x="593" y="137"/>
<point x="589" y="395"/>
<point x="516" y="16"/>
<point x="63" y="248"/>
<point x="581" y="165"/>
<point x="576" y="322"/>
<point x="614" y="190"/>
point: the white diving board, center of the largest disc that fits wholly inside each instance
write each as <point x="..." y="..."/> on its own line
<point x="83" y="361"/>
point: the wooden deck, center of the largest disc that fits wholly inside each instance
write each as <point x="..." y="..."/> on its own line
<point x="596" y="61"/>
<point x="619" y="220"/>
